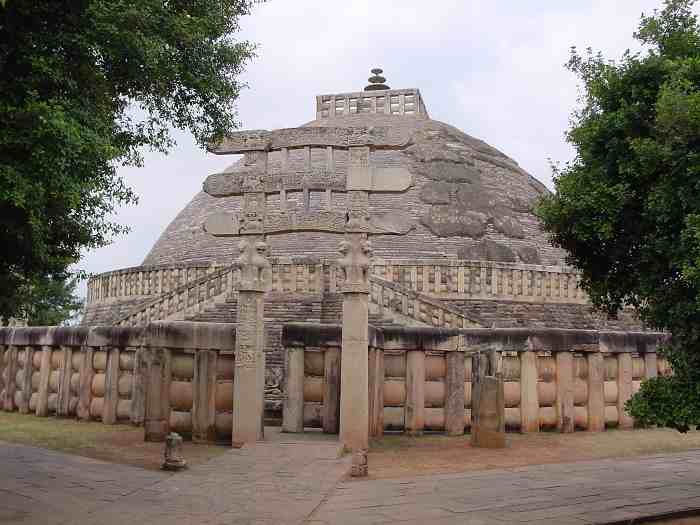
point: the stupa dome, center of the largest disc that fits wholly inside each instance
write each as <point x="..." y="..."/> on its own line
<point x="464" y="199"/>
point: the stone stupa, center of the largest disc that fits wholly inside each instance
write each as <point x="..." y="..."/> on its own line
<point x="460" y="245"/>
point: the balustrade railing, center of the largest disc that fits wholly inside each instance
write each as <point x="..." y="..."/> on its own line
<point x="421" y="378"/>
<point x="392" y="298"/>
<point x="442" y="279"/>
<point x="165" y="376"/>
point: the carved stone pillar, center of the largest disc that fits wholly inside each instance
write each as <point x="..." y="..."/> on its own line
<point x="354" y="383"/>
<point x="249" y="376"/>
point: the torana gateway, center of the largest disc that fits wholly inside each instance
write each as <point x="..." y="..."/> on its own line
<point x="454" y="242"/>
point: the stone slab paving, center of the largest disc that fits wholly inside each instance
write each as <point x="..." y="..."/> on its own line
<point x="591" y="492"/>
<point x="300" y="479"/>
<point x="280" y="481"/>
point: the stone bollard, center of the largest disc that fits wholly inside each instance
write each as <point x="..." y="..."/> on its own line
<point x="359" y="464"/>
<point x="172" y="455"/>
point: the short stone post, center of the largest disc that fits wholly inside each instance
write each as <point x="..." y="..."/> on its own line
<point x="565" y="391"/>
<point x="249" y="375"/>
<point x="331" y="390"/>
<point x="488" y="404"/>
<point x="454" y="393"/>
<point x="63" y="402"/>
<point x="156" y="421"/>
<point x="87" y="372"/>
<point x="109" y="407"/>
<point x="138" y="390"/>
<point x="8" y="403"/>
<point x="529" y="403"/>
<point x="596" y="392"/>
<point x="355" y="253"/>
<point x="293" y="409"/>
<point x="27" y="372"/>
<point x="624" y="389"/>
<point x="204" y="396"/>
<point x="42" y="404"/>
<point x="415" y="392"/>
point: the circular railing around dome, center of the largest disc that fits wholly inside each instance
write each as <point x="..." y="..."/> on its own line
<point x="440" y="278"/>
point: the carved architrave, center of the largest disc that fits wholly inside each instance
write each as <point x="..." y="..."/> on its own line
<point x="395" y="222"/>
<point x="339" y="137"/>
<point x="253" y="175"/>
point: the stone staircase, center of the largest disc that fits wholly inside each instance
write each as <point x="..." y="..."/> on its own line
<point x="223" y="312"/>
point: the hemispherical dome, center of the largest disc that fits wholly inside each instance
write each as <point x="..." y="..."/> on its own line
<point x="465" y="199"/>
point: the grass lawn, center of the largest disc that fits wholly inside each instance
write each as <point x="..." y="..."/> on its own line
<point x="114" y="443"/>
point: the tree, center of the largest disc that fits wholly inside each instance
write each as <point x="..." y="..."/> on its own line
<point x="53" y="301"/>
<point x="84" y="86"/>
<point x="627" y="208"/>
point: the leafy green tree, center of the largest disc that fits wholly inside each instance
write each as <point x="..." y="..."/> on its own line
<point x="627" y="208"/>
<point x="53" y="301"/>
<point x="84" y="86"/>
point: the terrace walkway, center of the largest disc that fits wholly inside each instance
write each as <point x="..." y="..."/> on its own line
<point x="294" y="480"/>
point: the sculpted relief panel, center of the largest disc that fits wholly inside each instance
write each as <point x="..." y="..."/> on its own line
<point x="462" y="205"/>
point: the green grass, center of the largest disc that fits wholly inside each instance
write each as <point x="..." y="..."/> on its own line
<point x="68" y="435"/>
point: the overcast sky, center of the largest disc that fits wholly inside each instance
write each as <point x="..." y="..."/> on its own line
<point x="493" y="68"/>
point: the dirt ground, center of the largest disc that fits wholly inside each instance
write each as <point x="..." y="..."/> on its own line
<point x="395" y="456"/>
<point x="115" y="443"/>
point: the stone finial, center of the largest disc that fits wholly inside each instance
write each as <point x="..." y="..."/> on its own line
<point x="255" y="268"/>
<point x="376" y="81"/>
<point x="354" y="262"/>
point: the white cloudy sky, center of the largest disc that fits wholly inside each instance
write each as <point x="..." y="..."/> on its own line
<point x="493" y="68"/>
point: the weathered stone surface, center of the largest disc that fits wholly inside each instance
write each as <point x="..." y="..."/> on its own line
<point x="438" y="192"/>
<point x="392" y="222"/>
<point x="451" y="221"/>
<point x="486" y="250"/>
<point x="528" y="255"/>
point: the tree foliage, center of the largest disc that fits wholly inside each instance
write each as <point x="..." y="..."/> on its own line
<point x="53" y="301"/>
<point x="84" y="86"/>
<point x="627" y="208"/>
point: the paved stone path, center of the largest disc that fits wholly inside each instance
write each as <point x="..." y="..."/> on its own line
<point x="264" y="484"/>
<point x="299" y="479"/>
<point x="604" y="491"/>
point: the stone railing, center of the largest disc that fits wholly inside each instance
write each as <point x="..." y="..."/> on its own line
<point x="194" y="296"/>
<point x="143" y="281"/>
<point x="441" y="278"/>
<point x="187" y="299"/>
<point x="420" y="378"/>
<point x="389" y="298"/>
<point x="287" y="276"/>
<point x="457" y="279"/>
<point x="392" y="299"/>
<point x="175" y="376"/>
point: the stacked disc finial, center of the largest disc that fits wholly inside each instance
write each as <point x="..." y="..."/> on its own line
<point x="377" y="81"/>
